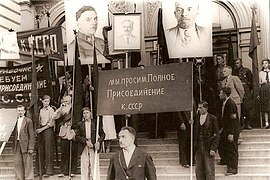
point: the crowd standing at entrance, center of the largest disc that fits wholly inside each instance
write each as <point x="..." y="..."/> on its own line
<point x="212" y="133"/>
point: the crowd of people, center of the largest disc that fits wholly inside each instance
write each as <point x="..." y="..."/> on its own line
<point x="213" y="132"/>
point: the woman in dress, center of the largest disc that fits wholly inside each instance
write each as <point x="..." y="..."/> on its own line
<point x="264" y="80"/>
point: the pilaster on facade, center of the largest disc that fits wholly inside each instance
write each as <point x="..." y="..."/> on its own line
<point x="27" y="15"/>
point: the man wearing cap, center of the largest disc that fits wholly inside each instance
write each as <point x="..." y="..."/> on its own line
<point x="131" y="162"/>
<point x="87" y="145"/>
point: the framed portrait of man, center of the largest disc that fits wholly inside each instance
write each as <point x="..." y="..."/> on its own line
<point x="188" y="28"/>
<point x="128" y="33"/>
<point x="87" y="17"/>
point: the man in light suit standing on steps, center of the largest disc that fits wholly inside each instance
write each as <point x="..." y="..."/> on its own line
<point x="23" y="146"/>
<point x="237" y="91"/>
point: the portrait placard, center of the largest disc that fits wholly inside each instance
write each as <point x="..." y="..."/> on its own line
<point x="188" y="28"/>
<point x="87" y="17"/>
<point x="128" y="34"/>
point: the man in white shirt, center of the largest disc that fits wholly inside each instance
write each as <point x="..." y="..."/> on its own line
<point x="87" y="145"/>
<point x="131" y="162"/>
<point x="206" y="140"/>
<point x="46" y="137"/>
<point x="24" y="141"/>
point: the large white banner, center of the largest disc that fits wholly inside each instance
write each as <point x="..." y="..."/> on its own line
<point x="87" y="17"/>
<point x="188" y="28"/>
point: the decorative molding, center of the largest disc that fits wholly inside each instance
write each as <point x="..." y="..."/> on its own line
<point x="118" y="6"/>
<point x="151" y="17"/>
<point x="25" y="2"/>
<point x="42" y="9"/>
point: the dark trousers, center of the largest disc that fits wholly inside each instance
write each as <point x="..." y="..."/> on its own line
<point x="205" y="164"/>
<point x="47" y="151"/>
<point x="228" y="151"/>
<point x="23" y="164"/>
<point x="184" y="145"/>
<point x="65" y="151"/>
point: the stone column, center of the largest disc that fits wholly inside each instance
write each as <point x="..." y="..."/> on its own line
<point x="27" y="15"/>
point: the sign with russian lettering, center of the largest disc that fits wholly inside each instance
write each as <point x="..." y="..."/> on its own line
<point x="165" y="88"/>
<point x="47" y="41"/>
<point x="15" y="83"/>
<point x="8" y="119"/>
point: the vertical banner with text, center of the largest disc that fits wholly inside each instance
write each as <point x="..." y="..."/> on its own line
<point x="15" y="83"/>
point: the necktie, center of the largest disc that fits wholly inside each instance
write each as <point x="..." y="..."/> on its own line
<point x="127" y="40"/>
<point x="267" y="77"/>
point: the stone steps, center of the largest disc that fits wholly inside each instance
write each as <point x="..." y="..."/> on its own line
<point x="163" y="177"/>
<point x="254" y="158"/>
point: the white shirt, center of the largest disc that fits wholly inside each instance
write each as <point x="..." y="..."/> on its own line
<point x="19" y="124"/>
<point x="88" y="129"/>
<point x="203" y="118"/>
<point x="262" y="76"/>
<point x="45" y="116"/>
<point x="128" y="155"/>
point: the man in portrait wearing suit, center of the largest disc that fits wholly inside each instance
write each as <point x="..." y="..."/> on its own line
<point x="229" y="128"/>
<point x="87" y="22"/>
<point x="186" y="33"/>
<point x="206" y="140"/>
<point x="23" y="146"/>
<point x="237" y="90"/>
<point x="127" y="39"/>
<point x="131" y="162"/>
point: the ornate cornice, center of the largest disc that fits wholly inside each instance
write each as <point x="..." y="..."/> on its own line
<point x="118" y="6"/>
<point x="151" y="17"/>
<point x="42" y="9"/>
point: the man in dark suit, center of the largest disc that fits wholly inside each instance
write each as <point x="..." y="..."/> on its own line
<point x="183" y="136"/>
<point x="206" y="140"/>
<point x="131" y="162"/>
<point x="229" y="128"/>
<point x="246" y="78"/>
<point x="23" y="146"/>
<point x="87" y="145"/>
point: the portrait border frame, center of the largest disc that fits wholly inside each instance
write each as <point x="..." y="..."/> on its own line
<point x="137" y="30"/>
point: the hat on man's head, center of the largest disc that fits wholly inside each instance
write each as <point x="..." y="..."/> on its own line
<point x="86" y="109"/>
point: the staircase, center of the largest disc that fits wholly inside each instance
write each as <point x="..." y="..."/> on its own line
<point x="254" y="158"/>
